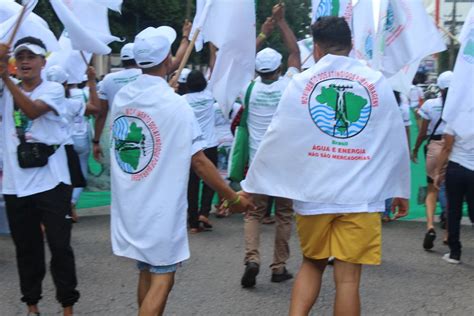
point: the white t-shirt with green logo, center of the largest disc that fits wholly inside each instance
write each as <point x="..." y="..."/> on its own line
<point x="50" y="128"/>
<point x="154" y="136"/>
<point x="431" y="111"/>
<point x="264" y="101"/>
<point x="113" y="82"/>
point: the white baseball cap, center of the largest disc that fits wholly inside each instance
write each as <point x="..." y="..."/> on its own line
<point x="126" y="53"/>
<point x="153" y="45"/>
<point x="444" y="80"/>
<point x="57" y="74"/>
<point x="268" y="60"/>
<point x="35" y="49"/>
<point x="183" y="77"/>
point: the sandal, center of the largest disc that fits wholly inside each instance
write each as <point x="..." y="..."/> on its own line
<point x="205" y="222"/>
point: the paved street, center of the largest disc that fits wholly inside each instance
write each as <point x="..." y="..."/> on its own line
<point x="409" y="282"/>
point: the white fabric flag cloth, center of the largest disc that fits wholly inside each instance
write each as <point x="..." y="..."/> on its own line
<point x="114" y="5"/>
<point x="337" y="137"/>
<point x="404" y="27"/>
<point x="402" y="80"/>
<point x="235" y="62"/>
<point x="151" y="149"/>
<point x="459" y="106"/>
<point x="32" y="24"/>
<point x="306" y="52"/>
<point x="82" y="39"/>
<point x="70" y="60"/>
<point x="331" y="8"/>
<point x="199" y="44"/>
<point x="363" y="31"/>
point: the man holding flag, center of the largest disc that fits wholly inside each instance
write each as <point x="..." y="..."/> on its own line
<point x="336" y="146"/>
<point x="261" y="101"/>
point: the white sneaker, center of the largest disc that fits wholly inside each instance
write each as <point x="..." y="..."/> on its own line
<point x="450" y="260"/>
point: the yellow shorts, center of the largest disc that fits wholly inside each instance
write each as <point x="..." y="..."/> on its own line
<point x="349" y="237"/>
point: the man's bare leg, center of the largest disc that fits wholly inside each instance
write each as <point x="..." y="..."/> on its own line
<point x="431" y="201"/>
<point x="68" y="311"/>
<point x="144" y="281"/>
<point x="347" y="279"/>
<point x="155" y="299"/>
<point x="307" y="286"/>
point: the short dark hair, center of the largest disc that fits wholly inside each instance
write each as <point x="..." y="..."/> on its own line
<point x="30" y="40"/>
<point x="129" y="63"/>
<point x="196" y="82"/>
<point x="332" y="33"/>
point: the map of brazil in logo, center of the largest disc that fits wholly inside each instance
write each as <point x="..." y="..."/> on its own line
<point x="136" y="144"/>
<point x="339" y="107"/>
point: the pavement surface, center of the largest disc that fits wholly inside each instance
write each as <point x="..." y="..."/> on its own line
<point x="410" y="281"/>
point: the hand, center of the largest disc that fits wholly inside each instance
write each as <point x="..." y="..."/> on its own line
<point x="245" y="204"/>
<point x="414" y="156"/>
<point x="97" y="152"/>
<point x="267" y="27"/>
<point x="278" y="12"/>
<point x="437" y="181"/>
<point x="91" y="74"/>
<point x="399" y="207"/>
<point x="187" y="26"/>
<point x="4" y="50"/>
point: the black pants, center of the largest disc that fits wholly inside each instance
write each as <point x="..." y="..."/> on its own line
<point x="193" y="193"/>
<point x="459" y="186"/>
<point x="25" y="214"/>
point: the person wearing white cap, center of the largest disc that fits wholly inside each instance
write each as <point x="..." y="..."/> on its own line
<point x="78" y="126"/>
<point x="262" y="98"/>
<point x="155" y="140"/>
<point x="36" y="179"/>
<point x="432" y="129"/>
<point x="113" y="82"/>
<point x="182" y="80"/>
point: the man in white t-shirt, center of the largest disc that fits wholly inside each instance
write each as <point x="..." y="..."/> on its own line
<point x="155" y="140"/>
<point x="113" y="82"/>
<point x="264" y="96"/>
<point x="37" y="193"/>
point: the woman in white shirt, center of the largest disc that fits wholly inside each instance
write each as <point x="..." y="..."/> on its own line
<point x="459" y="185"/>
<point x="202" y="102"/>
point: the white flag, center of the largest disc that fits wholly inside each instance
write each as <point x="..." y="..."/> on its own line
<point x="459" y="106"/>
<point x="197" y="23"/>
<point x="82" y="38"/>
<point x="70" y="60"/>
<point x="406" y="33"/>
<point x="331" y="8"/>
<point x="306" y="52"/>
<point x="363" y="31"/>
<point x="32" y="24"/>
<point x="337" y="128"/>
<point x="115" y="5"/>
<point x="402" y="80"/>
<point x="230" y="26"/>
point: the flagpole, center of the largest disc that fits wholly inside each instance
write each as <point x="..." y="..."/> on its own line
<point x="84" y="58"/>
<point x="185" y="57"/>
<point x="17" y="25"/>
<point x="306" y="59"/>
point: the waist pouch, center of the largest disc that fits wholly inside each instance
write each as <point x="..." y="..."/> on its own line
<point x="34" y="155"/>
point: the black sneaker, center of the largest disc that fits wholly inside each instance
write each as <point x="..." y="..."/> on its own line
<point x="251" y="271"/>
<point x="430" y="236"/>
<point x="280" y="277"/>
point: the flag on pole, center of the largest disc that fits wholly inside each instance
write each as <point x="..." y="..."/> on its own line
<point x="459" y="106"/>
<point x="331" y="8"/>
<point x="306" y="52"/>
<point x="32" y="24"/>
<point x="402" y="80"/>
<point x="199" y="44"/>
<point x="363" y="31"/>
<point x="230" y="26"/>
<point x="82" y="38"/>
<point x="114" y="5"/>
<point x="402" y="35"/>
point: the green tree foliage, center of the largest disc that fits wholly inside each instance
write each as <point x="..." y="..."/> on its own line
<point x="139" y="14"/>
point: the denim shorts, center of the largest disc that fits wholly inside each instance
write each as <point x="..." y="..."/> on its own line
<point x="142" y="266"/>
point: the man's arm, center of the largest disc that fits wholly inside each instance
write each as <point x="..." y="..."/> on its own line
<point x="289" y="38"/>
<point x="93" y="106"/>
<point x="183" y="46"/>
<point x="99" y="127"/>
<point x="265" y="32"/>
<point x="210" y="175"/>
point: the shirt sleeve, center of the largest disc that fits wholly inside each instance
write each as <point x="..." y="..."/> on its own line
<point x="291" y="71"/>
<point x="101" y="90"/>
<point x="55" y="98"/>
<point x="198" y="143"/>
<point x="424" y="111"/>
<point x="448" y="130"/>
<point x="405" y="114"/>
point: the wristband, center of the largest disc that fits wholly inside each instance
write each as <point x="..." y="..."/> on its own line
<point x="262" y="35"/>
<point x="228" y="203"/>
<point x="95" y="142"/>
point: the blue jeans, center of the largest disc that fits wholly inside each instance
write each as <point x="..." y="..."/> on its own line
<point x="388" y="208"/>
<point x="82" y="147"/>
